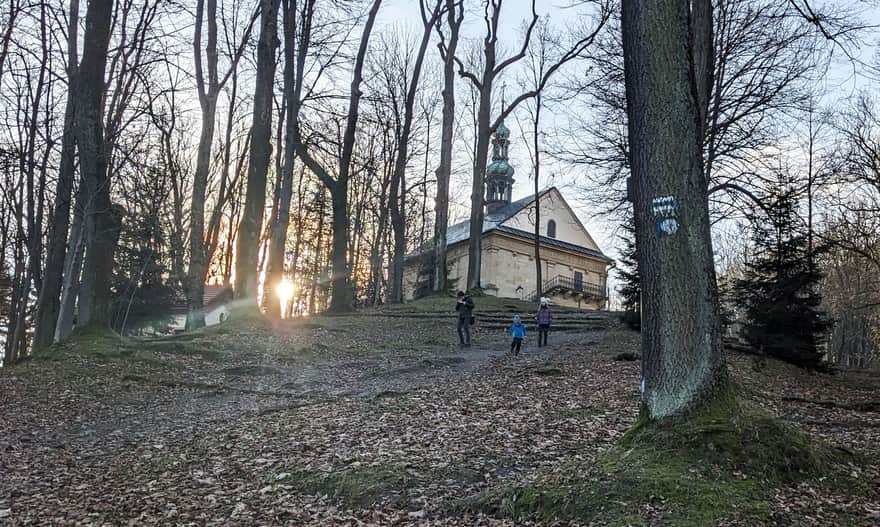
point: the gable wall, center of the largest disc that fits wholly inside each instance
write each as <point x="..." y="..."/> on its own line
<point x="508" y="263"/>
<point x="553" y="207"/>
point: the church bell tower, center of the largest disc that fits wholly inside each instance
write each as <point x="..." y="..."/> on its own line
<point x="499" y="173"/>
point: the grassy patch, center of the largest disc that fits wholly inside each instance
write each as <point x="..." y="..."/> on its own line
<point x="355" y="487"/>
<point x="719" y="464"/>
<point x="90" y="340"/>
<point x="630" y="488"/>
<point x="98" y="343"/>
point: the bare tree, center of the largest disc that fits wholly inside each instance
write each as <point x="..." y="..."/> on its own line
<point x="208" y="91"/>
<point x="261" y="150"/>
<point x="102" y="221"/>
<point x="340" y="280"/>
<point x="10" y="16"/>
<point x="483" y="82"/>
<point x="49" y="302"/>
<point x="281" y="213"/>
<point x="766" y="61"/>
<point x="851" y="289"/>
<point x="454" y="17"/>
<point x="397" y="199"/>
<point x="538" y="61"/>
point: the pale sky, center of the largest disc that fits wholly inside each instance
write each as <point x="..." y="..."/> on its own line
<point x="844" y="78"/>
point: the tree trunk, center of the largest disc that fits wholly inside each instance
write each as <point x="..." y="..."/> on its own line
<point x="72" y="269"/>
<point x="475" y="244"/>
<point x="539" y="280"/>
<point x="444" y="170"/>
<point x="281" y="218"/>
<point x="198" y="261"/>
<point x="49" y="302"/>
<point x="341" y="299"/>
<point x="102" y="227"/>
<point x="682" y="363"/>
<point x="339" y="273"/>
<point x="19" y="295"/>
<point x="319" y="246"/>
<point x="250" y="228"/>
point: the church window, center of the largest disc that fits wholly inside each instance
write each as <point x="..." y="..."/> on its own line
<point x="551" y="229"/>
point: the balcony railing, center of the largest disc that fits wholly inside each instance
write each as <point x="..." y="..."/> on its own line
<point x="562" y="283"/>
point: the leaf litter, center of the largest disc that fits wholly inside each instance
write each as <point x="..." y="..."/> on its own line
<point x="358" y="420"/>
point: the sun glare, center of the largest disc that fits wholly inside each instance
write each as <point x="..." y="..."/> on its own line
<point x="285" y="291"/>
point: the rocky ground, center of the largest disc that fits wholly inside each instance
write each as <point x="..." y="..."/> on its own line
<point x="379" y="418"/>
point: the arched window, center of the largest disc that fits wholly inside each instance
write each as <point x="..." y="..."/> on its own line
<point x="551" y="229"/>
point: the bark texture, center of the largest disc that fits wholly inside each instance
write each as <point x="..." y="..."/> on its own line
<point x="72" y="268"/>
<point x="49" y="301"/>
<point x="281" y="216"/>
<point x="250" y="228"/>
<point x="682" y="363"/>
<point x="454" y="16"/>
<point x="195" y="282"/>
<point x="102" y="222"/>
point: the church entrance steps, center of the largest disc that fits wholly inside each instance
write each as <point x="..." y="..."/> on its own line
<point x="563" y="319"/>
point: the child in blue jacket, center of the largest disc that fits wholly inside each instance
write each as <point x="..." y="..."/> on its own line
<point x="518" y="330"/>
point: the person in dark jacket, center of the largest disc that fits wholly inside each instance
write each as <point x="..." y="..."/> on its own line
<point x="465" y="308"/>
<point x="544" y="317"/>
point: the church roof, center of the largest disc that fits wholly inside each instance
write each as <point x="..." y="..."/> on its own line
<point x="460" y="232"/>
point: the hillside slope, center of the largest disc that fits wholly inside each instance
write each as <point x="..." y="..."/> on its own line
<point x="378" y="418"/>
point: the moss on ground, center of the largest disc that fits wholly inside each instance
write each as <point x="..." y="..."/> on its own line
<point x="353" y="486"/>
<point x="94" y="340"/>
<point x="721" y="463"/>
<point x="366" y="485"/>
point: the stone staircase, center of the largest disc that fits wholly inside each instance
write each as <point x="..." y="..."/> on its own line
<point x="493" y="318"/>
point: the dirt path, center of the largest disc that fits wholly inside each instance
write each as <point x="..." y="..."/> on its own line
<point x="405" y="371"/>
<point x="119" y="408"/>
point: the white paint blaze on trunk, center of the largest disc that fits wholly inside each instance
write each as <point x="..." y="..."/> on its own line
<point x="682" y="362"/>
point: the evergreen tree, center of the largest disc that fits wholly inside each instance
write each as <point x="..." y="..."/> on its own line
<point x="144" y="293"/>
<point x="628" y="274"/>
<point x="779" y="292"/>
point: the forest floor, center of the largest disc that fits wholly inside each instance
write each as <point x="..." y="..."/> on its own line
<point x="379" y="418"/>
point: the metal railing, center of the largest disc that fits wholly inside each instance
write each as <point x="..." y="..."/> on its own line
<point x="568" y="283"/>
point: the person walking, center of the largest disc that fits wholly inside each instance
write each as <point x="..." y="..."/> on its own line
<point x="518" y="330"/>
<point x="544" y="317"/>
<point x="465" y="308"/>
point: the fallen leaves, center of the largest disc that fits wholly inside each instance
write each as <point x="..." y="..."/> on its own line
<point x="349" y="421"/>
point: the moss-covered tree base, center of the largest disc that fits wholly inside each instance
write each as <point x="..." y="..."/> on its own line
<point x="720" y="463"/>
<point x="92" y="339"/>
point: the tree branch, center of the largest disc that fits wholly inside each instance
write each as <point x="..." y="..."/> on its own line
<point x="525" y="46"/>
